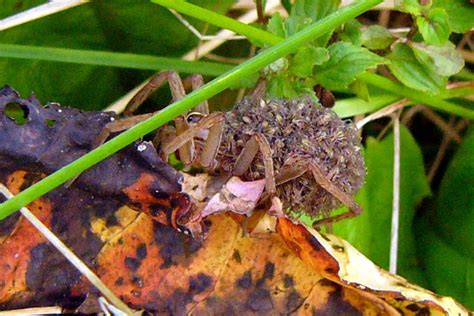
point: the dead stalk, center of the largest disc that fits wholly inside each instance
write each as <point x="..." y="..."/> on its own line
<point x="386" y="111"/>
<point x="396" y="194"/>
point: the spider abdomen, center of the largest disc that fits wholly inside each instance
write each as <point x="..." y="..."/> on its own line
<point x="297" y="130"/>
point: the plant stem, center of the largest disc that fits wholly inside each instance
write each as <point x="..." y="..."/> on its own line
<point x="398" y="89"/>
<point x="112" y="59"/>
<point x="220" y="20"/>
<point x="215" y="86"/>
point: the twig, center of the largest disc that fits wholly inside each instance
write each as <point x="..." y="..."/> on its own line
<point x="200" y="36"/>
<point x="69" y="255"/>
<point x="439" y="155"/>
<point x="396" y="194"/>
<point x="438" y="121"/>
<point x="225" y="59"/>
<point x="467" y="55"/>
<point x="49" y="310"/>
<point x="386" y="111"/>
<point x="38" y="12"/>
<point x="384" y="131"/>
<point x="444" y="146"/>
<point x="410" y="113"/>
<point x="384" y="17"/>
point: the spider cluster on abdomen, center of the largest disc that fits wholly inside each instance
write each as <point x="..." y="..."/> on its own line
<point x="309" y="157"/>
<point x="300" y="134"/>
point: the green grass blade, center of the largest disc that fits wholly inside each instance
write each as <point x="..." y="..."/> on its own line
<point x="417" y="96"/>
<point x="112" y="59"/>
<point x="220" y="20"/>
<point x="215" y="86"/>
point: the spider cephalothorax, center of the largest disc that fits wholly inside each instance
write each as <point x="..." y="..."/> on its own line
<point x="298" y="132"/>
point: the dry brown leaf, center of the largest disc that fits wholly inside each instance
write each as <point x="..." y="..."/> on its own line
<point x="292" y="269"/>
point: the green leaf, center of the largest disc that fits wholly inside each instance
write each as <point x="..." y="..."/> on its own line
<point x="315" y="9"/>
<point x="370" y="231"/>
<point x="281" y="86"/>
<point x="352" y="33"/>
<point x="277" y="26"/>
<point x="376" y="37"/>
<point x="408" y="6"/>
<point x="360" y="89"/>
<point x="460" y="14"/>
<point x="447" y="270"/>
<point x="434" y="27"/>
<point x="305" y="58"/>
<point x="407" y="68"/>
<point x="346" y="61"/>
<point x="444" y="60"/>
<point x="454" y="216"/>
<point x="305" y="12"/>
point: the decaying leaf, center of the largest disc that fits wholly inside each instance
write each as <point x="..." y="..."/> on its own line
<point x="154" y="267"/>
<point x="53" y="136"/>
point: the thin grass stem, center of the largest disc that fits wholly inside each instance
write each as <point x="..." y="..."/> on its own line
<point x="112" y="59"/>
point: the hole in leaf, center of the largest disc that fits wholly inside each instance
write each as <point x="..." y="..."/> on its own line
<point x="50" y="123"/>
<point x="17" y="112"/>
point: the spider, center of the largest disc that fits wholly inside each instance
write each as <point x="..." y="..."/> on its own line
<point x="308" y="156"/>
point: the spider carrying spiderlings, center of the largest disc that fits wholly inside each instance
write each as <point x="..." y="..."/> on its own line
<point x="308" y="156"/>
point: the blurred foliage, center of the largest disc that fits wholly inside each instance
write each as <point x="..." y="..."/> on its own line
<point x="100" y="25"/>
<point x="447" y="239"/>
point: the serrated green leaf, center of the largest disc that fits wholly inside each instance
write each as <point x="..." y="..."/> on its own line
<point x="454" y="216"/>
<point x="296" y="23"/>
<point x="315" y="9"/>
<point x="351" y="33"/>
<point x="281" y="86"/>
<point x="460" y="14"/>
<point x="444" y="60"/>
<point x="376" y="37"/>
<point x="305" y="12"/>
<point x="346" y="61"/>
<point x="434" y="27"/>
<point x="305" y="58"/>
<point x="411" y="72"/>
<point x="277" y="26"/>
<point x="447" y="271"/>
<point x="370" y="231"/>
<point x="408" y="6"/>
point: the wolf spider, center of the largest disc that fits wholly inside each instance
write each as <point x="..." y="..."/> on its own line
<point x="234" y="143"/>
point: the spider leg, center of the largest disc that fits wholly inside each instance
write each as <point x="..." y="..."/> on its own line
<point x="154" y="84"/>
<point x="118" y="126"/>
<point x="213" y="142"/>
<point x="247" y="155"/>
<point x="297" y="169"/>
<point x="110" y="128"/>
<point x="188" y="134"/>
<point x="346" y="199"/>
<point x="290" y="172"/>
<point x="197" y="82"/>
